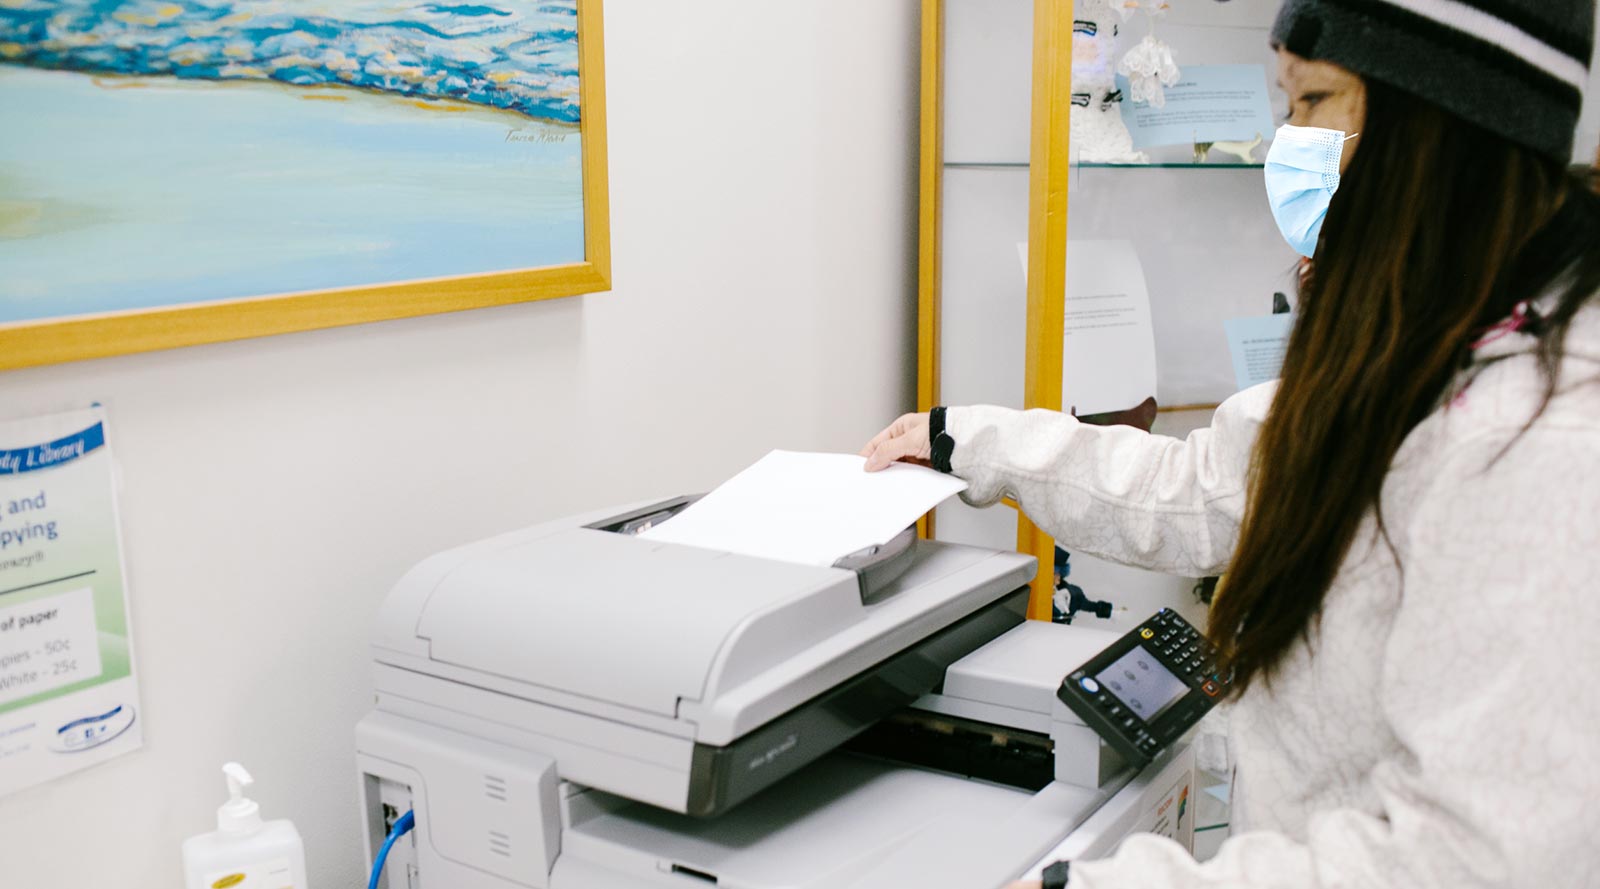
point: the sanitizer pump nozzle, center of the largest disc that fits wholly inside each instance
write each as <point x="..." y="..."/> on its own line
<point x="244" y="852"/>
<point x="239" y="814"/>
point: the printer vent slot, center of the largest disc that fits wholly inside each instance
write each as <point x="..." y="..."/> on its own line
<point x="697" y="874"/>
<point x="499" y="844"/>
<point x="495" y="788"/>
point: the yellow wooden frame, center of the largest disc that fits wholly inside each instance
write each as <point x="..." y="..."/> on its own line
<point x="47" y="341"/>
<point x="929" y="215"/>
<point x="1049" y="154"/>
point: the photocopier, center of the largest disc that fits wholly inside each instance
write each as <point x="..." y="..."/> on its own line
<point x="573" y="706"/>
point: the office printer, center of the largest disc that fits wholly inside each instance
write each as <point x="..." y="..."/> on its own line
<point x="571" y="706"/>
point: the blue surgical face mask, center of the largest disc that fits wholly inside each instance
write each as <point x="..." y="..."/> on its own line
<point x="1302" y="174"/>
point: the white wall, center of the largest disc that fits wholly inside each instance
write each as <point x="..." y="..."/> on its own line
<point x="763" y="161"/>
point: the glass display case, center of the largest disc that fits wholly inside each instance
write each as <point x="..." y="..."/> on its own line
<point x="1006" y="196"/>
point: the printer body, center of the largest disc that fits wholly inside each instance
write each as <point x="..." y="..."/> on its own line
<point x="572" y="706"/>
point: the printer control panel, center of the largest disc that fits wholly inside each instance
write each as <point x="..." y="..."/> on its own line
<point x="1146" y="689"/>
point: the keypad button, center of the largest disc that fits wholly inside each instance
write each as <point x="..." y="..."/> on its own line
<point x="1115" y="711"/>
<point x="1089" y="685"/>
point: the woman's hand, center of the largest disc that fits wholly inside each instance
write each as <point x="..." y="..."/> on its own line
<point x="905" y="439"/>
<point x="1026" y="884"/>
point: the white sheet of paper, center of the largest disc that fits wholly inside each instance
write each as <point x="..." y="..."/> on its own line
<point x="808" y="508"/>
<point x="1108" y="347"/>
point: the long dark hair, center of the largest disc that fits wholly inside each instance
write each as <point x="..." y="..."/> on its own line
<point x="1429" y="239"/>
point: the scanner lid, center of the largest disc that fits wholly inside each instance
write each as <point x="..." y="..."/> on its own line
<point x="624" y="620"/>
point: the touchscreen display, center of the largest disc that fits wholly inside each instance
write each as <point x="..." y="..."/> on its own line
<point x="1139" y="681"/>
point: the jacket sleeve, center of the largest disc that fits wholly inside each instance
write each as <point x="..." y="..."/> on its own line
<point x="1489" y="685"/>
<point x="1115" y="492"/>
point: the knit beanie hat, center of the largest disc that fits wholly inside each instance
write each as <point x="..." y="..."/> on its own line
<point x="1513" y="67"/>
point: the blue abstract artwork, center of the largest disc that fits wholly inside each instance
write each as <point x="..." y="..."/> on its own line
<point x="170" y="152"/>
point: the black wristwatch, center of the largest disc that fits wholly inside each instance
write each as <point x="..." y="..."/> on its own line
<point x="943" y="445"/>
<point x="1055" y="876"/>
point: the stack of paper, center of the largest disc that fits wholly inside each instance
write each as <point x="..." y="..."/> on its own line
<point x="808" y="508"/>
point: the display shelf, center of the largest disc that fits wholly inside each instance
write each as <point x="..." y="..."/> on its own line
<point x="1023" y="165"/>
<point x="997" y="170"/>
<point x="1169" y="166"/>
<point x="989" y="78"/>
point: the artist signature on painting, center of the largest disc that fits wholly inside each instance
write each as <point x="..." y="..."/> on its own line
<point x="543" y="136"/>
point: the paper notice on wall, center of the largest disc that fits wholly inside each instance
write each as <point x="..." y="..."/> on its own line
<point x="1108" y="345"/>
<point x="1258" y="346"/>
<point x="1209" y="103"/>
<point x="67" y="691"/>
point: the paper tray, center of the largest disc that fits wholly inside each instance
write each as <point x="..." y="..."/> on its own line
<point x="876" y="567"/>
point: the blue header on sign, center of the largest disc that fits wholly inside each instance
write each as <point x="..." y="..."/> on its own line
<point x="62" y="450"/>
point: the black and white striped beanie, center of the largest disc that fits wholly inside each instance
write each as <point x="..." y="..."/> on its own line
<point x="1513" y="67"/>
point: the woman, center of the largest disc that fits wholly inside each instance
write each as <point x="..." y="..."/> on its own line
<point x="1410" y="518"/>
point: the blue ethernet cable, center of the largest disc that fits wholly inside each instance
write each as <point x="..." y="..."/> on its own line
<point x="400" y="829"/>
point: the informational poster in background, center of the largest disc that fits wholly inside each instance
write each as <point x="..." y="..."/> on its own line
<point x="1258" y="346"/>
<point x="1108" y="346"/>
<point x="1209" y="103"/>
<point x="67" y="691"/>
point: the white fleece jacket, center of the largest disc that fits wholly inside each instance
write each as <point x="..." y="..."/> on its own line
<point x="1442" y="726"/>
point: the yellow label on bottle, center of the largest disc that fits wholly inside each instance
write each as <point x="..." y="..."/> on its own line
<point x="275" y="874"/>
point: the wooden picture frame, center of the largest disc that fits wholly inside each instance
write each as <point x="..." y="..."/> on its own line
<point x="75" y="337"/>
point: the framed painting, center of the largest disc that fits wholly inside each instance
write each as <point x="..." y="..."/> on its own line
<point x="175" y="172"/>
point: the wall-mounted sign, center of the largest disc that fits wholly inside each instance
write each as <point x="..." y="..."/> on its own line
<point x="67" y="692"/>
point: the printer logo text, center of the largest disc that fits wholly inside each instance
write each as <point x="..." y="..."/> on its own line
<point x="767" y="758"/>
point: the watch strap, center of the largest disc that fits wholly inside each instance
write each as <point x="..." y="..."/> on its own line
<point x="942" y="444"/>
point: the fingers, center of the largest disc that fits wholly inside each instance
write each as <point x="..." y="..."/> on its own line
<point x="890" y="451"/>
<point x="880" y="440"/>
<point x="893" y="429"/>
<point x="906" y="445"/>
<point x="905" y="439"/>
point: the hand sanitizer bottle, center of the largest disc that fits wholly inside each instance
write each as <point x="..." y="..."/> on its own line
<point x="244" y="852"/>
